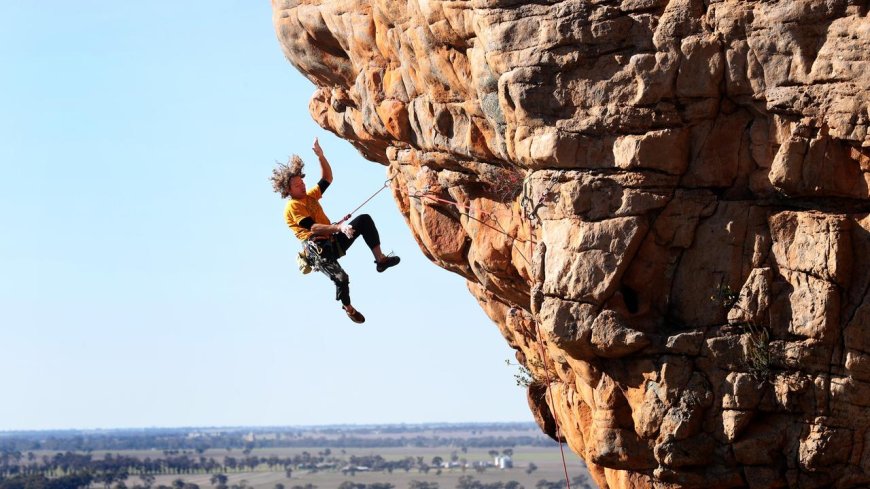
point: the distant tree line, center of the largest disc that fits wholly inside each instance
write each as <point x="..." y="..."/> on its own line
<point x="373" y="485"/>
<point x="40" y="481"/>
<point x="339" y="437"/>
<point x="114" y="468"/>
<point x="577" y="482"/>
<point x="119" y="467"/>
<point x="200" y="445"/>
<point x="469" y="482"/>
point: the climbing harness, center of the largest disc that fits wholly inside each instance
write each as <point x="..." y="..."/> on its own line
<point x="311" y="256"/>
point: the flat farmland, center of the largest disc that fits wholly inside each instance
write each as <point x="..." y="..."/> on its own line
<point x="326" y="457"/>
<point x="547" y="460"/>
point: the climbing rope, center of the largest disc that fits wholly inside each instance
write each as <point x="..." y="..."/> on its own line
<point x="385" y="185"/>
<point x="553" y="412"/>
<point x="460" y="208"/>
<point x="530" y="211"/>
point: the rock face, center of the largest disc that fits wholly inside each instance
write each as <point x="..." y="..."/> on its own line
<point x="662" y="204"/>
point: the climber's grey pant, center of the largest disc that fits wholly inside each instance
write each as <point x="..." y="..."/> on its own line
<point x="324" y="256"/>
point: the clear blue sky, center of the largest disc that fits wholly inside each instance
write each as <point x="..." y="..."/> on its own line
<point x="146" y="275"/>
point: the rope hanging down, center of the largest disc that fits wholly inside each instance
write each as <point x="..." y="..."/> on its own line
<point x="460" y="208"/>
<point x="553" y="412"/>
<point x="531" y="210"/>
<point x="531" y="213"/>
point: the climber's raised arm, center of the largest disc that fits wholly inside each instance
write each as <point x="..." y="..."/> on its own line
<point x="325" y="169"/>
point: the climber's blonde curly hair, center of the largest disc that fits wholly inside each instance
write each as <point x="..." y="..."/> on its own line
<point x="282" y="174"/>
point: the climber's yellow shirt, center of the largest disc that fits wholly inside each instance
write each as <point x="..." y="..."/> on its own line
<point x="298" y="209"/>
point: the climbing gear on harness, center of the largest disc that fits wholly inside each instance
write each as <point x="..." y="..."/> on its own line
<point x="318" y="250"/>
<point x="305" y="265"/>
<point x="315" y="252"/>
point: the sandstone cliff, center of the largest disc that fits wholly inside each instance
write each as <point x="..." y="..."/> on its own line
<point x="674" y="193"/>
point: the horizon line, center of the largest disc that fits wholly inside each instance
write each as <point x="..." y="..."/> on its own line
<point x="7" y="432"/>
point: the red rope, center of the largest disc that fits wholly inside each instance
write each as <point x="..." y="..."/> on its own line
<point x="445" y="201"/>
<point x="422" y="195"/>
<point x="550" y="392"/>
<point x="468" y="215"/>
<point x="552" y="410"/>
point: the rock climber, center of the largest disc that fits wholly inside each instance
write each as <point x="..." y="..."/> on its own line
<point x="325" y="242"/>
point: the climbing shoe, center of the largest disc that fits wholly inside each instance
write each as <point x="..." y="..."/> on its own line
<point x="355" y="315"/>
<point x="388" y="262"/>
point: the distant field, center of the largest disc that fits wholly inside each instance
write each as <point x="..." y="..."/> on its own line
<point x="331" y="480"/>
<point x="521" y="454"/>
<point x="195" y="455"/>
<point x="548" y="461"/>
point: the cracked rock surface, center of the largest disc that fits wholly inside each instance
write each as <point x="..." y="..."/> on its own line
<point x="672" y="197"/>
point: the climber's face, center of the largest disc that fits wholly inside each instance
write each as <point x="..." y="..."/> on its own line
<point x="297" y="187"/>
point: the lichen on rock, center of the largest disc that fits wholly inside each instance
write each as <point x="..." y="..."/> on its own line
<point x="669" y="198"/>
